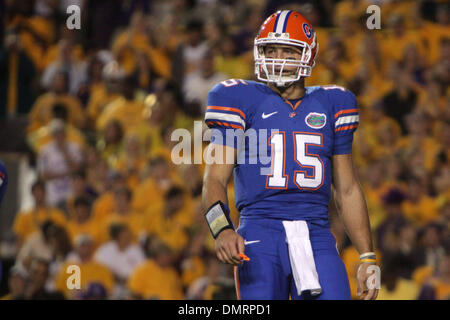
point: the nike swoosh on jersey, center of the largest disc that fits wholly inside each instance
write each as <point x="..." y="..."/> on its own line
<point x="250" y="242"/>
<point x="265" y="116"/>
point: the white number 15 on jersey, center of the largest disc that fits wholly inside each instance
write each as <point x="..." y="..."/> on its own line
<point x="278" y="179"/>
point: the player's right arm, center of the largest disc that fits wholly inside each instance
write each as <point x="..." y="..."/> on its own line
<point x="228" y="243"/>
<point x="224" y="113"/>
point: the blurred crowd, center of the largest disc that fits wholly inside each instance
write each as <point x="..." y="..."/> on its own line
<point x="101" y="103"/>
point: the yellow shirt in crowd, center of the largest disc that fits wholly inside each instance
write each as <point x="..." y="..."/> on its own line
<point x="127" y="43"/>
<point x="90" y="272"/>
<point x="133" y="220"/>
<point x="154" y="282"/>
<point x="172" y="230"/>
<point x="27" y="222"/>
<point x="422" y="212"/>
<point x="103" y="206"/>
<point x="89" y="227"/>
<point x="41" y="112"/>
<point x="404" y="290"/>
<point x="192" y="269"/>
<point x="98" y="100"/>
<point x="38" y="139"/>
<point x="128" y="113"/>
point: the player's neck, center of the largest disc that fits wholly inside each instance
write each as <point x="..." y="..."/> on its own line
<point x="294" y="91"/>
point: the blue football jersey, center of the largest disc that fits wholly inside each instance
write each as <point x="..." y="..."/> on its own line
<point x="289" y="176"/>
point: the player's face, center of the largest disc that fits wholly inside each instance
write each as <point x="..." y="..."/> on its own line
<point x="277" y="51"/>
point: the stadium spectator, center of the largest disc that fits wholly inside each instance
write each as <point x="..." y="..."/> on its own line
<point x="76" y="71"/>
<point x="192" y="265"/>
<point x="107" y="90"/>
<point x="104" y="205"/>
<point x="228" y="62"/>
<point x="430" y="250"/>
<point x="36" y="290"/>
<point x="394" y="217"/>
<point x="438" y="287"/>
<point x="96" y="170"/>
<point x="198" y="84"/>
<point x="80" y="188"/>
<point x="61" y="246"/>
<point x="394" y="286"/>
<point x="399" y="37"/>
<point x="41" y="112"/>
<point x="17" y="282"/>
<point x="189" y="54"/>
<point x="38" y="245"/>
<point x="132" y="161"/>
<point x="171" y="222"/>
<point x="38" y="139"/>
<point x="28" y="221"/>
<point x="401" y="99"/>
<point x="82" y="222"/>
<point x="16" y="79"/>
<point x="34" y="32"/>
<point x="202" y="287"/>
<point x="91" y="271"/>
<point x="165" y="284"/>
<point x="56" y="163"/>
<point x="120" y="255"/>
<point x="123" y="213"/>
<point x="110" y="145"/>
<point x="419" y="207"/>
<point x="149" y="193"/>
<point x="127" y="109"/>
<point x="94" y="291"/>
<point x="136" y="43"/>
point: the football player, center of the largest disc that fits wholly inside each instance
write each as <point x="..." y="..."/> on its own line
<point x="283" y="247"/>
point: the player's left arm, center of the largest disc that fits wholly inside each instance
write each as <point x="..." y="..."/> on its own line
<point x="352" y="208"/>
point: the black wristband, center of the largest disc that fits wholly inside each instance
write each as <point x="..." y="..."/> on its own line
<point x="218" y="218"/>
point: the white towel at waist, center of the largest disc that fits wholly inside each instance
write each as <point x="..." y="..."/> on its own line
<point x="301" y="257"/>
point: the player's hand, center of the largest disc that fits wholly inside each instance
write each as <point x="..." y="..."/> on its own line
<point x="228" y="245"/>
<point x="367" y="290"/>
